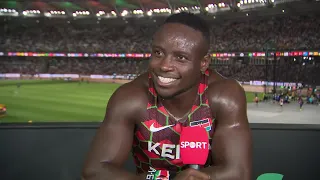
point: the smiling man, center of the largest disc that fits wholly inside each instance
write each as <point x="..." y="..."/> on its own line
<point x="145" y="116"/>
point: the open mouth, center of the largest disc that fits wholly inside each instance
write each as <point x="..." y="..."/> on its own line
<point x="164" y="81"/>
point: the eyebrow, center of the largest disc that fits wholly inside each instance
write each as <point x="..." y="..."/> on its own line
<point x="157" y="46"/>
<point x="182" y="53"/>
<point x="175" y="52"/>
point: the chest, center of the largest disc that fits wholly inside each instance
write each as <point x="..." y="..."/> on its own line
<point x="158" y="127"/>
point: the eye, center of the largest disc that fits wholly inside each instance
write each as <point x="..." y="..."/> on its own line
<point x="158" y="53"/>
<point x="181" y="58"/>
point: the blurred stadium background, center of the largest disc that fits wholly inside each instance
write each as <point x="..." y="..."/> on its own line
<point x="61" y="61"/>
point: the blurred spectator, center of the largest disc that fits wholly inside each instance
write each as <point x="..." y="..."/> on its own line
<point x="284" y="72"/>
<point x="285" y="33"/>
<point x="281" y="33"/>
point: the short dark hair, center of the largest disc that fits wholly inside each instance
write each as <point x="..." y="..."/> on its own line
<point x="193" y="21"/>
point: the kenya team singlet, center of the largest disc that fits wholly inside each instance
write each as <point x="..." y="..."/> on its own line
<point x="156" y="141"/>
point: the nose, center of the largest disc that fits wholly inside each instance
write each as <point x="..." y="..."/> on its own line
<point x="166" y="64"/>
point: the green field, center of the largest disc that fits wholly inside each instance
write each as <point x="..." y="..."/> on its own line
<point x="57" y="101"/>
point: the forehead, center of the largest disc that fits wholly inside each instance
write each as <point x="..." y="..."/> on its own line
<point x="177" y="36"/>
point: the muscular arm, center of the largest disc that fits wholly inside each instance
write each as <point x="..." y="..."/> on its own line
<point x="112" y="143"/>
<point x="231" y="144"/>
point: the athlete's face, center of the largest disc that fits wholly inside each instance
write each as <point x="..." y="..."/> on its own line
<point x="178" y="57"/>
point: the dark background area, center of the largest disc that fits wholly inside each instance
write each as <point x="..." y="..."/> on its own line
<point x="57" y="151"/>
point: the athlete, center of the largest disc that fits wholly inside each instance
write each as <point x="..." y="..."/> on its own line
<point x="145" y="117"/>
<point x="281" y="102"/>
<point x="256" y="99"/>
<point x="300" y="101"/>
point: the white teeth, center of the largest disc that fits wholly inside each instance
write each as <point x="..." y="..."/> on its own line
<point x="166" y="80"/>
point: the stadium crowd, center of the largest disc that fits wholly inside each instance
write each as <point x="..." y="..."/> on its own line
<point x="242" y="71"/>
<point x="282" y="33"/>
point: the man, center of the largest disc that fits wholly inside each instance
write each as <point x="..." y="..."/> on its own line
<point x="256" y="99"/>
<point x="146" y="115"/>
<point x="300" y="101"/>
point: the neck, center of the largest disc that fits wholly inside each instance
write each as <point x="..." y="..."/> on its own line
<point x="182" y="103"/>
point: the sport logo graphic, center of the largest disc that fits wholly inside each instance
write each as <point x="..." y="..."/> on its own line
<point x="155" y="129"/>
<point x="205" y="123"/>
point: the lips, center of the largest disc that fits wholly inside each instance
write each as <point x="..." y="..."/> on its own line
<point x="166" y="81"/>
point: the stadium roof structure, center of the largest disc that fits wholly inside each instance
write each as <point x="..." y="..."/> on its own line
<point x="142" y="8"/>
<point x="107" y="5"/>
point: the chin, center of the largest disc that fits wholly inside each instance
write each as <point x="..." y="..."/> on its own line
<point x="169" y="93"/>
<point x="165" y="93"/>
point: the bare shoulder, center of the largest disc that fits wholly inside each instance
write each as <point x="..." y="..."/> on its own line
<point x="232" y="147"/>
<point x="130" y="98"/>
<point x="226" y="94"/>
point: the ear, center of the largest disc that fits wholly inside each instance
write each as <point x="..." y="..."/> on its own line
<point x="205" y="62"/>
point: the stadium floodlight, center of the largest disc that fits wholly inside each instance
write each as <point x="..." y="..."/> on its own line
<point x="48" y="14"/>
<point x="124" y="13"/>
<point x="149" y="13"/>
<point x="138" y="11"/>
